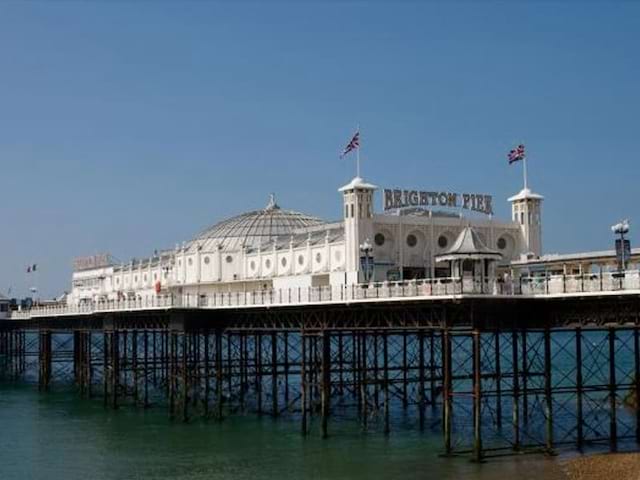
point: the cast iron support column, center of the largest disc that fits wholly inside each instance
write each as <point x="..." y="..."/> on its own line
<point x="548" y="390"/>
<point x="446" y="389"/>
<point x="516" y="391"/>
<point x="613" y="429"/>
<point x="477" y="397"/>
<point x="579" y="390"/>
<point x="326" y="380"/>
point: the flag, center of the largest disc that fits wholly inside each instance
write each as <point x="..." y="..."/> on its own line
<point x="516" y="154"/>
<point x="29" y="269"/>
<point x="32" y="268"/>
<point x="352" y="145"/>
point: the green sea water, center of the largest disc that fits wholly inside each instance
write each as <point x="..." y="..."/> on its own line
<point x="58" y="436"/>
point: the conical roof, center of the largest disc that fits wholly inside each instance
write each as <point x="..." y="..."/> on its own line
<point x="253" y="228"/>
<point x="469" y="245"/>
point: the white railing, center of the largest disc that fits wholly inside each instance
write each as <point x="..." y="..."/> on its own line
<point x="556" y="285"/>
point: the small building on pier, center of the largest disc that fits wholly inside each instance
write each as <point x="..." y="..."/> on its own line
<point x="273" y="248"/>
<point x="4" y="307"/>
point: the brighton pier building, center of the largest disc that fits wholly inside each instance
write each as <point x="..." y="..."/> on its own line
<point x="416" y="235"/>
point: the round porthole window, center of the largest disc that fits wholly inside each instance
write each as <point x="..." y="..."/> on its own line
<point x="412" y="241"/>
<point x="229" y="259"/>
<point x="379" y="239"/>
<point x="442" y="241"/>
<point x="502" y="243"/>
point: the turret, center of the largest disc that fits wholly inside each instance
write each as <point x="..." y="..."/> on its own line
<point x="526" y="210"/>
<point x="358" y="223"/>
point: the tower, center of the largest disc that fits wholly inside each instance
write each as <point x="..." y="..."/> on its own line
<point x="358" y="223"/>
<point x="526" y="210"/>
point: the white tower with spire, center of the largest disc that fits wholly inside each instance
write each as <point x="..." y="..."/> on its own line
<point x="358" y="223"/>
<point x="526" y="210"/>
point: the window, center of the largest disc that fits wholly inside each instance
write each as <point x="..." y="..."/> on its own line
<point x="252" y="265"/>
<point x="283" y="262"/>
<point x="190" y="261"/>
<point x="412" y="241"/>
<point x="207" y="260"/>
<point x="379" y="239"/>
<point x="300" y="259"/>
<point x="346" y="211"/>
<point x="502" y="243"/>
<point x="337" y="255"/>
<point x="443" y="241"/>
<point x="135" y="279"/>
<point x="145" y="278"/>
<point x="352" y="210"/>
<point x="267" y="263"/>
<point x="318" y="257"/>
<point x="229" y="259"/>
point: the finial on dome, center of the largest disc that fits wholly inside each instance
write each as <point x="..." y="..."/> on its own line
<point x="272" y="202"/>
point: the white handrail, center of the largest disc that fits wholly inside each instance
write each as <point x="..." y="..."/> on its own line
<point x="554" y="285"/>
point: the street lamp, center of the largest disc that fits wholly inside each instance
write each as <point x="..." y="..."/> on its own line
<point x="622" y="244"/>
<point x="366" y="257"/>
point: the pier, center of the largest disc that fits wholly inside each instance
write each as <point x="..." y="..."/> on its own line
<point x="533" y="365"/>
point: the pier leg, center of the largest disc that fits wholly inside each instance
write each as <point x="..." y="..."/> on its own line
<point x="421" y="399"/>
<point x="303" y="382"/>
<point x="274" y="374"/>
<point x="579" y="390"/>
<point x="219" y="379"/>
<point x="326" y="381"/>
<point x="613" y="429"/>
<point x="446" y="391"/>
<point x="548" y="399"/>
<point x="385" y="360"/>
<point x="498" y="368"/>
<point x="477" y="397"/>
<point x="516" y="391"/>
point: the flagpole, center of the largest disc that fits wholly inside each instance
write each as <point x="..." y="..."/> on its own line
<point x="358" y="153"/>
<point x="524" y="171"/>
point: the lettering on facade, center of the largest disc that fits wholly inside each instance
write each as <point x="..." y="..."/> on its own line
<point x="91" y="262"/>
<point x="396" y="198"/>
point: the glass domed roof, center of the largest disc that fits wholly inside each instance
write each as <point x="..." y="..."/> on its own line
<point x="254" y="228"/>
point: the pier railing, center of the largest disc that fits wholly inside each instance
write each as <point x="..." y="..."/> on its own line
<point x="551" y="286"/>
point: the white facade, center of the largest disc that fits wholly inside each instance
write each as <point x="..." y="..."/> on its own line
<point x="274" y="248"/>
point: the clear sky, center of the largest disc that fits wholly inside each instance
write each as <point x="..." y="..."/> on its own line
<point x="126" y="127"/>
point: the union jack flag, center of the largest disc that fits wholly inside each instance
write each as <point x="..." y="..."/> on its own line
<point x="516" y="154"/>
<point x="352" y="145"/>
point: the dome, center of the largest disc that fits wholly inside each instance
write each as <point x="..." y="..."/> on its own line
<point x="254" y="228"/>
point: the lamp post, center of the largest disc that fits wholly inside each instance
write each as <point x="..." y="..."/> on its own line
<point x="621" y="251"/>
<point x="366" y="257"/>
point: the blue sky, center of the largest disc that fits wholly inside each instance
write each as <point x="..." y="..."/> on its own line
<point x="126" y="127"/>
